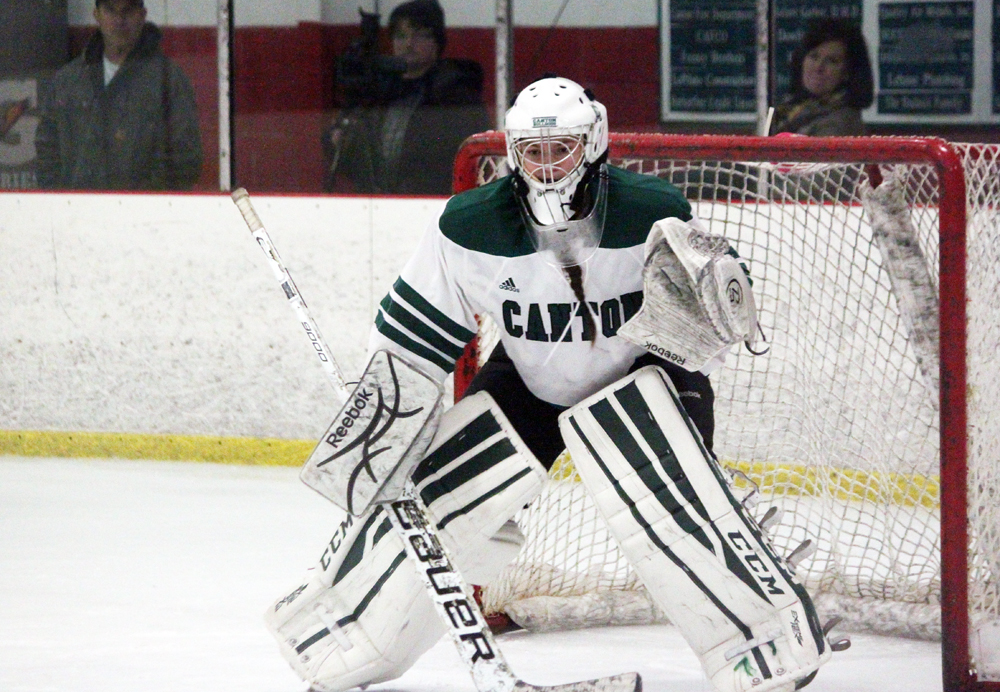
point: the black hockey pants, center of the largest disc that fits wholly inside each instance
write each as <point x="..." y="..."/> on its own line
<point x="537" y="421"/>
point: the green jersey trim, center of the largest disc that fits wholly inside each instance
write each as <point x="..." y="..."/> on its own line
<point x="395" y="335"/>
<point x="424" y="307"/>
<point x="420" y="328"/>
<point x="486" y="219"/>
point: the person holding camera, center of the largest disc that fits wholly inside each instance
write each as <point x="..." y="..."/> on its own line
<point x="406" y="115"/>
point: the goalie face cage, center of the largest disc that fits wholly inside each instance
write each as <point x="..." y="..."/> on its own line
<point x="878" y="445"/>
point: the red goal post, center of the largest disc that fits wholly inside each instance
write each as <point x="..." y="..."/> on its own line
<point x="940" y="187"/>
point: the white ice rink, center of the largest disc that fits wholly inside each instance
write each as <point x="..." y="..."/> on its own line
<point x="126" y="576"/>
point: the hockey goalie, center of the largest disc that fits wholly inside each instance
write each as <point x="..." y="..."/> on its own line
<point x="614" y="303"/>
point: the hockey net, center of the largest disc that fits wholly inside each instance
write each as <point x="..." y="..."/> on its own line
<point x="879" y="445"/>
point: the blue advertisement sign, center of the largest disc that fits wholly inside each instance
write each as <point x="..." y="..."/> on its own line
<point x="926" y="58"/>
<point x="996" y="56"/>
<point x="713" y="56"/>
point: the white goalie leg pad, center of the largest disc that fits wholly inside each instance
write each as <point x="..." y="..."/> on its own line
<point x="362" y="615"/>
<point x="696" y="301"/>
<point x="702" y="557"/>
<point x="476" y="475"/>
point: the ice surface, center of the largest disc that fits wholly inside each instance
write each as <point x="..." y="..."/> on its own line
<point x="126" y="576"/>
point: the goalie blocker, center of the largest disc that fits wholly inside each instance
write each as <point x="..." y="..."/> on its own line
<point x="377" y="437"/>
<point x="704" y="560"/>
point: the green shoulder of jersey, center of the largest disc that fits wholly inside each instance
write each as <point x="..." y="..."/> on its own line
<point x="486" y="219"/>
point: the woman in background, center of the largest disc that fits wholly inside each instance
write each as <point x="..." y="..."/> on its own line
<point x="831" y="83"/>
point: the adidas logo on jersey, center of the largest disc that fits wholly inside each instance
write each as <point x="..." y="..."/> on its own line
<point x="508" y="285"/>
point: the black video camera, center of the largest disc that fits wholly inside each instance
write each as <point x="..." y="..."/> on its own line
<point x="366" y="77"/>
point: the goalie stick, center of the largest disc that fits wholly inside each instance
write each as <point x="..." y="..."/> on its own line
<point x="453" y="598"/>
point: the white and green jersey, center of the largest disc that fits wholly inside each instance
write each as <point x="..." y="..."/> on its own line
<point x="476" y="259"/>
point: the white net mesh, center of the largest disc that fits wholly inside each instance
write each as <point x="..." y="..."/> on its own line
<point x="983" y="258"/>
<point x="838" y="423"/>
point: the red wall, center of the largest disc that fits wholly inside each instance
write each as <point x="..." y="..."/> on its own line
<point x="285" y="92"/>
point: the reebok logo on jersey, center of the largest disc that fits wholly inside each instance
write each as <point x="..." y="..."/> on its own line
<point x="508" y="285"/>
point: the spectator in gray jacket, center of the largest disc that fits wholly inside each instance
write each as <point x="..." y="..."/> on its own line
<point x="121" y="116"/>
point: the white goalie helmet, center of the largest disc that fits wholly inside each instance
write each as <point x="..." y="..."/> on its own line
<point x="557" y="142"/>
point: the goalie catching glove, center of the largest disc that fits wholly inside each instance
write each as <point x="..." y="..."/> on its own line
<point x="696" y="297"/>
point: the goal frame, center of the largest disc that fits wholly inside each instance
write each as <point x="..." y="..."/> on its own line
<point x="957" y="675"/>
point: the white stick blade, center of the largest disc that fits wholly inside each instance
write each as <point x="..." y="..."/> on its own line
<point x="625" y="682"/>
